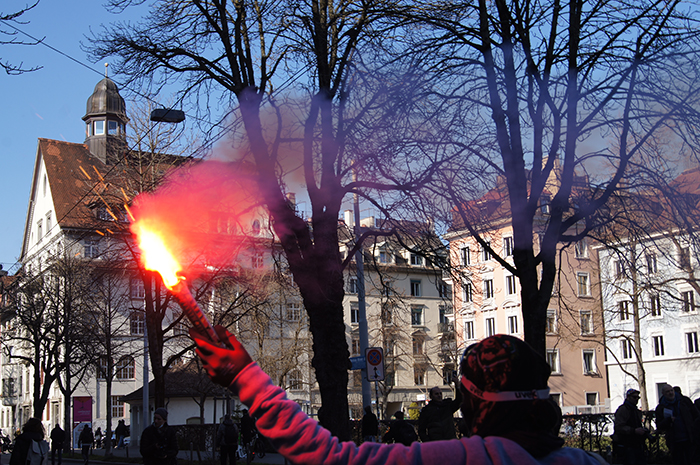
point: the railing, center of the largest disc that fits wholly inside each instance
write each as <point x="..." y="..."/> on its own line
<point x="446" y="327"/>
<point x="593" y="432"/>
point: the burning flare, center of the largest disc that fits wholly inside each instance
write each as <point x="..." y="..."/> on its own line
<point x="155" y="254"/>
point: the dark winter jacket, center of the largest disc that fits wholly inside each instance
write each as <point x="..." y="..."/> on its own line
<point x="58" y="437"/>
<point x="680" y="428"/>
<point x="159" y="445"/>
<point x="227" y="429"/>
<point x="627" y="419"/>
<point x="21" y="447"/>
<point x="436" y="420"/>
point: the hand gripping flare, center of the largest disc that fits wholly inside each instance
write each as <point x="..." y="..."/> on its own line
<point x="222" y="363"/>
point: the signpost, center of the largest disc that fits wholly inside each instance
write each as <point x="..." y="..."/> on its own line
<point x="375" y="363"/>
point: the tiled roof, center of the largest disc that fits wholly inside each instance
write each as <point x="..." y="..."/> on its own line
<point x="73" y="176"/>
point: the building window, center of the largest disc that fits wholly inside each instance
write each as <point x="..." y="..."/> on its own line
<point x="99" y="128"/>
<point x="691" y="340"/>
<point x="467" y="292"/>
<point x="90" y="249"/>
<point x="137" y="289"/>
<point x="418" y="375"/>
<point x="510" y="285"/>
<point x="416" y="260"/>
<point x="589" y="366"/>
<point x="293" y="311"/>
<point x="389" y="378"/>
<point x="627" y="349"/>
<point x="469" y="330"/>
<point x="591" y="398"/>
<point x="383" y="257"/>
<point x="48" y="223"/>
<point x="553" y="360"/>
<point x="485" y="253"/>
<point x="657" y="345"/>
<point x="416" y="316"/>
<point x="117" y="407"/>
<point x="586" y="319"/>
<point x="294" y="380"/>
<point x="513" y="324"/>
<point x="355" y="345"/>
<point x="581" y="249"/>
<point x="624" y="310"/>
<point x="443" y="311"/>
<point x="352" y="286"/>
<point x="103" y="368"/>
<point x="490" y="326"/>
<point x="387" y="313"/>
<point x="684" y="258"/>
<point x="39" y="229"/>
<point x="354" y="312"/>
<point x="112" y="127"/>
<point x="688" y="301"/>
<point x="418" y="346"/>
<point x="488" y="288"/>
<point x="619" y="269"/>
<point x="137" y="323"/>
<point x="551" y="322"/>
<point x="415" y="288"/>
<point x="655" y="304"/>
<point x="443" y="290"/>
<point x="508" y="246"/>
<point x="125" y="368"/>
<point x="651" y="263"/>
<point x="583" y="284"/>
<point x="464" y="257"/>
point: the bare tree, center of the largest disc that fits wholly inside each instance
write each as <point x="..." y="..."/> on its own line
<point x="563" y="97"/>
<point x="246" y="49"/>
<point x="9" y="33"/>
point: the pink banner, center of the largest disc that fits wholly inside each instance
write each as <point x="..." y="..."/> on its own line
<point x="82" y="409"/>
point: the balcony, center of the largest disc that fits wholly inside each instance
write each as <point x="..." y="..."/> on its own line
<point x="448" y="327"/>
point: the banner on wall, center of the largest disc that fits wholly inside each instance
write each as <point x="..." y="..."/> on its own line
<point x="82" y="410"/>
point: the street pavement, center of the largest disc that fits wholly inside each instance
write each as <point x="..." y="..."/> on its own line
<point x="133" y="452"/>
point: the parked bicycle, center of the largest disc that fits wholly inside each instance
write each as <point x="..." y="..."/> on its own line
<point x="257" y="446"/>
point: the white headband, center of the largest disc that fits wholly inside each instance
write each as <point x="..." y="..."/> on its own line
<point x="535" y="394"/>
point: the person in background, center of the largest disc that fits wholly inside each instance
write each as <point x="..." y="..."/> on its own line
<point x="675" y="416"/>
<point x="58" y="438"/>
<point x="630" y="433"/>
<point x="370" y="425"/>
<point x="98" y="438"/>
<point x="248" y="430"/>
<point x="512" y="419"/>
<point x="436" y="420"/>
<point x="400" y="431"/>
<point x="158" y="442"/>
<point x="227" y="440"/>
<point x="120" y="433"/>
<point x="32" y="437"/>
<point x="85" y="441"/>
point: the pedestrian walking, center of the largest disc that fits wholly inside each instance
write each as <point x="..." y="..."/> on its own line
<point x="85" y="441"/>
<point x="248" y="431"/>
<point x="58" y="438"/>
<point x="227" y="441"/>
<point x="120" y="433"/>
<point x="98" y="438"/>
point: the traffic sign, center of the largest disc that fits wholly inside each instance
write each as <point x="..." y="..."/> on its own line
<point x="375" y="363"/>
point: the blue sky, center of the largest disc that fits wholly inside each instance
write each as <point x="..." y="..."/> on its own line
<point x="47" y="103"/>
